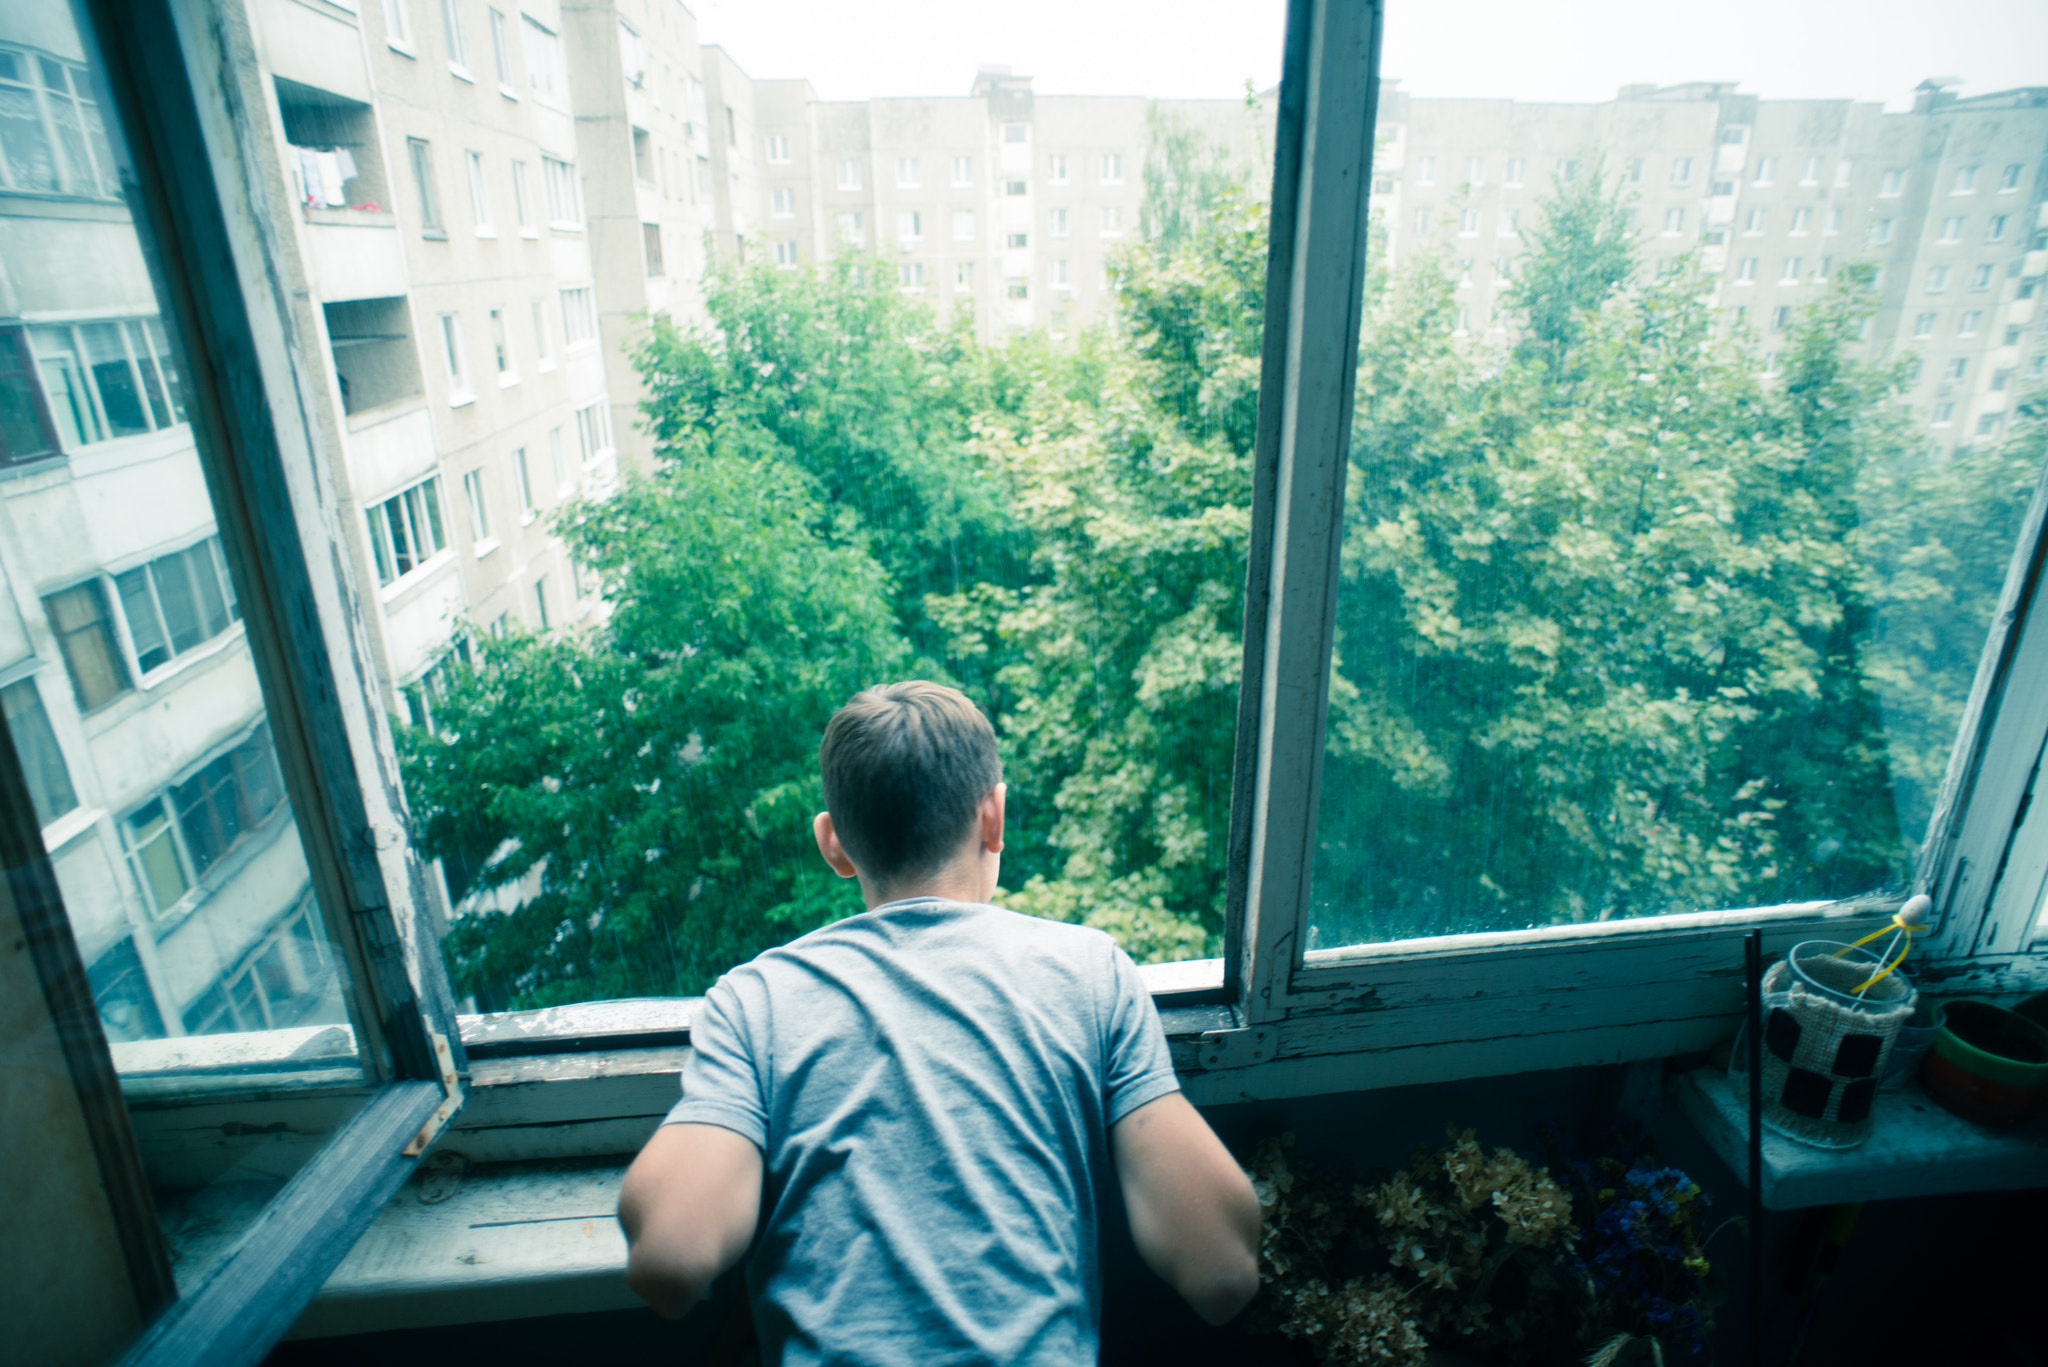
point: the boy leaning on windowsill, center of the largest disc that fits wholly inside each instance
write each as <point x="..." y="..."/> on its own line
<point x="915" y="1104"/>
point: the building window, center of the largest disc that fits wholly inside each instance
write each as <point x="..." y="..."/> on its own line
<point x="1464" y="265"/>
<point x="1674" y="222"/>
<point x="963" y="225"/>
<point x="1893" y="183"/>
<point x="1515" y="172"/>
<point x="1834" y="223"/>
<point x="1474" y="170"/>
<point x="1944" y="414"/>
<point x="2000" y="380"/>
<point x="1015" y="132"/>
<point x="1464" y="319"/>
<point x="593" y="431"/>
<point x="1016" y="240"/>
<point x="782" y="202"/>
<point x="963" y="275"/>
<point x="35" y="744"/>
<point x="100" y="381"/>
<point x="1994" y="231"/>
<point x="2010" y="180"/>
<point x="849" y="175"/>
<point x="1880" y="234"/>
<point x="1827" y="268"/>
<point x="650" y="244"/>
<point x="174" y="839"/>
<point x="1422" y="222"/>
<point x="1923" y="325"/>
<point x="1017" y="291"/>
<point x="785" y="253"/>
<point x="406" y="530"/>
<point x="1112" y="223"/>
<point x="1016" y="187"/>
<point x="1811" y="175"/>
<point x="632" y="62"/>
<point x="421" y="157"/>
<point x="1112" y="168"/>
<point x="1845" y="171"/>
<point x="963" y="170"/>
<point x="545" y="74"/>
<point x="397" y="27"/>
<point x="540" y="602"/>
<point x="1937" y="279"/>
<point x="778" y="149"/>
<point x="1981" y="280"/>
<point x="1468" y="223"/>
<point x="906" y="173"/>
<point x="1987" y="424"/>
<point x="1681" y="170"/>
<point x="1790" y="274"/>
<point x="479" y="204"/>
<point x="176" y="603"/>
<point x="524" y="481"/>
<point x="479" y="511"/>
<point x="1952" y="228"/>
<point x="84" y="629"/>
<point x="1722" y="188"/>
<point x="732" y="128"/>
<point x="909" y="225"/>
<point x="543" y="351"/>
<point x="501" y="47"/>
<point x="579" y="316"/>
<point x="1056" y="276"/>
<point x="1970" y="322"/>
<point x="1425" y="170"/>
<point x="1508" y="223"/>
<point x="1781" y="317"/>
<point x="565" y="196"/>
<point x="451" y="26"/>
<point x="54" y="139"/>
<point x="910" y="275"/>
<point x="522" y="201"/>
<point x="1800" y="218"/>
<point x="850" y="229"/>
<point x="1965" y="181"/>
<point x="1754" y="222"/>
<point x="1766" y="171"/>
<point x="1956" y="369"/>
<point x="1056" y="223"/>
<point x="1745" y="271"/>
<point x="26" y="433"/>
<point x="453" y="356"/>
<point x="1056" y="168"/>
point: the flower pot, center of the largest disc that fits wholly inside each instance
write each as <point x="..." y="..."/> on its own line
<point x="1988" y="1064"/>
<point x="1825" y="1043"/>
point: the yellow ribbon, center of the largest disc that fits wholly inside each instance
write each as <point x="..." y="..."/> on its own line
<point x="1904" y="946"/>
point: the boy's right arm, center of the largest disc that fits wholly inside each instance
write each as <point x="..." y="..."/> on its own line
<point x="689" y="1205"/>
<point x="1193" y="1213"/>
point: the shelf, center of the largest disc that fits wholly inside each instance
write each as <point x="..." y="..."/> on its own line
<point x="1917" y="1149"/>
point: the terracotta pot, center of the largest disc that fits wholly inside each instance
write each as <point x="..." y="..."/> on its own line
<point x="1988" y="1064"/>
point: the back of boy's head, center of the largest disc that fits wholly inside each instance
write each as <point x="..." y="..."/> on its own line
<point x="905" y="767"/>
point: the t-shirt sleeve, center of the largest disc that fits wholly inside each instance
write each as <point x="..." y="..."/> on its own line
<point x="721" y="1082"/>
<point x="1139" y="1067"/>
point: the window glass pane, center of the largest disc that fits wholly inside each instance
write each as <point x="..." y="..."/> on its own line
<point x="177" y="858"/>
<point x="42" y="759"/>
<point x="25" y="432"/>
<point x="884" y="455"/>
<point x="1664" y="578"/>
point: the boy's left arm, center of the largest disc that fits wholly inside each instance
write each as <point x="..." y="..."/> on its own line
<point x="689" y="1206"/>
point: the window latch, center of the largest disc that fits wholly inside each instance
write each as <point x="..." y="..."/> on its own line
<point x="1236" y="1048"/>
<point x="451" y="1098"/>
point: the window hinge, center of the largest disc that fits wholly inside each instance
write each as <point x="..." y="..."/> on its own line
<point x="451" y="1098"/>
<point x="1236" y="1048"/>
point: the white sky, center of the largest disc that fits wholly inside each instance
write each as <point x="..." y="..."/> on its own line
<point x="1582" y="50"/>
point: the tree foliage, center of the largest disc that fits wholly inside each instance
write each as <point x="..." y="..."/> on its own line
<point x="1626" y="623"/>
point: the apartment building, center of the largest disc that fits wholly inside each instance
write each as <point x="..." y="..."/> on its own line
<point x="126" y="679"/>
<point x="1002" y="202"/>
<point x="1770" y="197"/>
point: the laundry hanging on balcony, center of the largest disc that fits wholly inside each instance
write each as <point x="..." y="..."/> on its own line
<point x="323" y="174"/>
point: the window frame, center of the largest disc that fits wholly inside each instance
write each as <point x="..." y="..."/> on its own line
<point x="1269" y="1020"/>
<point x="234" y="306"/>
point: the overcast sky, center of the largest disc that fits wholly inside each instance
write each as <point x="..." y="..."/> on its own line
<point x="1579" y="50"/>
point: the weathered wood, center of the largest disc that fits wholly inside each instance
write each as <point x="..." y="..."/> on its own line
<point x="274" y="1268"/>
<point x="1916" y="1149"/>
<point x="629" y="1023"/>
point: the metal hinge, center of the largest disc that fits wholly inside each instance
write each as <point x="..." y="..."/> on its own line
<point x="1236" y="1048"/>
<point x="451" y="1098"/>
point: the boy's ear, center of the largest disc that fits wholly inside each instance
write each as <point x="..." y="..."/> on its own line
<point x="991" y="816"/>
<point x="829" y="846"/>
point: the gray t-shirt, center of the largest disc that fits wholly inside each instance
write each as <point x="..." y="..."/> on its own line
<point x="931" y="1085"/>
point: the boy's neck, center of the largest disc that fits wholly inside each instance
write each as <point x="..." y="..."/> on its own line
<point x="963" y="880"/>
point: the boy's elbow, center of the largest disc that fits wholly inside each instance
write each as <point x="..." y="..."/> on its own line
<point x="670" y="1285"/>
<point x="1218" y="1294"/>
